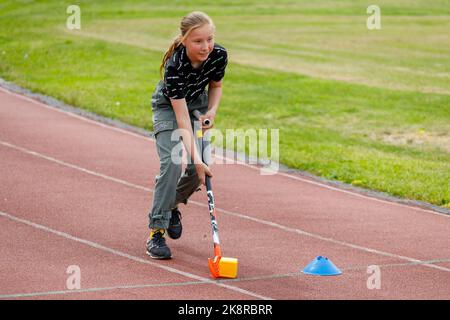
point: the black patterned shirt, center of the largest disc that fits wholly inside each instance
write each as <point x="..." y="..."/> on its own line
<point x="181" y="80"/>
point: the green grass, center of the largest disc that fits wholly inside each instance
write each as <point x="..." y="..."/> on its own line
<point x="369" y="108"/>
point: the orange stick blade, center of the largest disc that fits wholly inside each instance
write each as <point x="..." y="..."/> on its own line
<point x="214" y="266"/>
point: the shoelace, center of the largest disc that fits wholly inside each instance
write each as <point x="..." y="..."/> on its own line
<point x="158" y="239"/>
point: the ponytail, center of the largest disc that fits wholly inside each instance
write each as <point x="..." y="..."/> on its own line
<point x="175" y="44"/>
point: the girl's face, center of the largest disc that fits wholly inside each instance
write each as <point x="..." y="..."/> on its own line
<point x="199" y="43"/>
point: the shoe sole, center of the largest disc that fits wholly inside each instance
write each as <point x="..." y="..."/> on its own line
<point x="172" y="237"/>
<point x="171" y="234"/>
<point x="158" y="257"/>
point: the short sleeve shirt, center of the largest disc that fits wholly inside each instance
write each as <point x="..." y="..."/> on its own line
<point x="181" y="80"/>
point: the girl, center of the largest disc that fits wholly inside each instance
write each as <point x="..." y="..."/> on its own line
<point x="192" y="62"/>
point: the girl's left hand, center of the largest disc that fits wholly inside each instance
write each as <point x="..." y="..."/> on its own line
<point x="208" y="115"/>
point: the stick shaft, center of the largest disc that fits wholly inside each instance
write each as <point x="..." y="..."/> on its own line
<point x="212" y="211"/>
<point x="211" y="204"/>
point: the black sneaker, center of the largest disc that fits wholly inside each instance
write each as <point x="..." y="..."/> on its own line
<point x="175" y="228"/>
<point x="157" y="247"/>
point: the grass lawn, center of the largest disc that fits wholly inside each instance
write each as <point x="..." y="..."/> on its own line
<point x="368" y="108"/>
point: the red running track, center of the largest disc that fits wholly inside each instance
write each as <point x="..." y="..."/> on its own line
<point x="77" y="192"/>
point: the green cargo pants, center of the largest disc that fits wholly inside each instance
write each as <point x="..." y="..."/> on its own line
<point x="171" y="186"/>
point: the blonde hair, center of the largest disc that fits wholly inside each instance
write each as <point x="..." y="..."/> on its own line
<point x="188" y="23"/>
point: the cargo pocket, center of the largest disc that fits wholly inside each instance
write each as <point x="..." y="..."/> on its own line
<point x="164" y="125"/>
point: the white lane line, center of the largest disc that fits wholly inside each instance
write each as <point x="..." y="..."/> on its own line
<point x="287" y="175"/>
<point x="63" y="292"/>
<point x="319" y="184"/>
<point x="349" y="268"/>
<point x="189" y="283"/>
<point x="330" y="240"/>
<point x="66" y="164"/>
<point x="130" y="257"/>
<point x="231" y="213"/>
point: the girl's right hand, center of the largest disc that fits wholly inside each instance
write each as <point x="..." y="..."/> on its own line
<point x="202" y="171"/>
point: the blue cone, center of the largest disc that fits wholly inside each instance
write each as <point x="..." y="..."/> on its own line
<point x="322" y="266"/>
